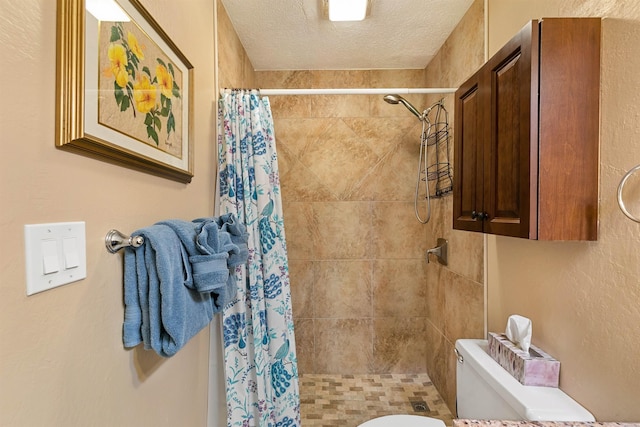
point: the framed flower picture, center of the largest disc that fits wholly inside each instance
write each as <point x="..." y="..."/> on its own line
<point x="124" y="91"/>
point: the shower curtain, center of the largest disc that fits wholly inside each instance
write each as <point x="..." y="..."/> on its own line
<point x="259" y="344"/>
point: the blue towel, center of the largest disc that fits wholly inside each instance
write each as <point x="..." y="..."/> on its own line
<point x="208" y="251"/>
<point x="239" y="237"/>
<point x="161" y="310"/>
<point x="132" y="326"/>
<point x="238" y="252"/>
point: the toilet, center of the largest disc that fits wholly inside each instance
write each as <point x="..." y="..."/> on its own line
<point x="487" y="392"/>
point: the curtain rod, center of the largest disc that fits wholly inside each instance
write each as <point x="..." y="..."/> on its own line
<point x="352" y="91"/>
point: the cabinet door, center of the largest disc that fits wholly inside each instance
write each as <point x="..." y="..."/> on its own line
<point x="468" y="169"/>
<point x="510" y="194"/>
<point x="569" y="128"/>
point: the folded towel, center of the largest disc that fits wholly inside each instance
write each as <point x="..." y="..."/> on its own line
<point x="208" y="251"/>
<point x="160" y="309"/>
<point x="239" y="236"/>
<point x="132" y="326"/>
<point x="238" y="252"/>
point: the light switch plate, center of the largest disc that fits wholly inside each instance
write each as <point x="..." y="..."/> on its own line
<point x="45" y="245"/>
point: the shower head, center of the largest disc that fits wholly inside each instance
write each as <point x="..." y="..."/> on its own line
<point x="397" y="99"/>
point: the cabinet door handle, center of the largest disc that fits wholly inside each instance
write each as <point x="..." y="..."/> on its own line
<point x="482" y="216"/>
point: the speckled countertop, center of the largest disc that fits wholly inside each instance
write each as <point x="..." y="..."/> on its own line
<point x="495" y="423"/>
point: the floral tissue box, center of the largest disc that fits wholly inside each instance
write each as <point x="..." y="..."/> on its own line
<point x="534" y="367"/>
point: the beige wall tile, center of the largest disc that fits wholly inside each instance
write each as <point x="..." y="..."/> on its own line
<point x="435" y="310"/>
<point x="288" y="107"/>
<point x="449" y="386"/>
<point x="442" y="365"/>
<point x="388" y="180"/>
<point x="399" y="345"/>
<point x="285" y="159"/>
<point x="297" y="134"/>
<point x="340" y="106"/>
<point x="248" y="74"/>
<point x="396" y="78"/>
<point x="340" y="79"/>
<point x="342" y="230"/>
<point x="301" y="79"/>
<point x="435" y="355"/>
<point x="396" y="232"/>
<point x="455" y="292"/>
<point x="437" y="223"/>
<point x="464" y="302"/>
<point x="305" y="345"/>
<point x="301" y="274"/>
<point x="342" y="289"/>
<point x="298" y="223"/>
<point x="466" y="252"/>
<point x="343" y="346"/>
<point x="463" y="52"/>
<point x="234" y="67"/>
<point x="399" y="288"/>
<point x="229" y="51"/>
<point x="383" y="135"/>
<point x="340" y="158"/>
<point x="301" y="185"/>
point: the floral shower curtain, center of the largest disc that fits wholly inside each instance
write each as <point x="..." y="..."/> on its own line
<point x="259" y="345"/>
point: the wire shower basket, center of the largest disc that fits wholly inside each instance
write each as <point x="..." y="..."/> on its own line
<point x="436" y="139"/>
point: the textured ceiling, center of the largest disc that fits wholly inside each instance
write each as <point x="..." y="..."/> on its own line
<point x="293" y="35"/>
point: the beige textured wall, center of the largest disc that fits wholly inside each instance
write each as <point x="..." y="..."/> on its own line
<point x="507" y="17"/>
<point x="62" y="362"/>
<point x="583" y="298"/>
<point x="456" y="292"/>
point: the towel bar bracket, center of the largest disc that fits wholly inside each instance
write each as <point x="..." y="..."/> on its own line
<point x="115" y="240"/>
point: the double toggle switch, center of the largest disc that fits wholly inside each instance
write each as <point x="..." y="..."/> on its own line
<point x="55" y="255"/>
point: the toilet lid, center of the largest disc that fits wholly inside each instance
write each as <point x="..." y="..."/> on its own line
<point x="403" y="421"/>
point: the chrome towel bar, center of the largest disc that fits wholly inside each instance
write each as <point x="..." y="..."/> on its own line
<point x="115" y="240"/>
<point x="620" y="188"/>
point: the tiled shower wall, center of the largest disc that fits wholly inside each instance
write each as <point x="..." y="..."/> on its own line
<point x="356" y="252"/>
<point x="364" y="299"/>
<point x="234" y="66"/>
<point x="456" y="292"/>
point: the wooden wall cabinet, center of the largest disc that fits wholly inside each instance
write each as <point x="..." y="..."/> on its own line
<point x="527" y="136"/>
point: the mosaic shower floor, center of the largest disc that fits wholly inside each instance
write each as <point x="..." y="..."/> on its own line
<point x="348" y="400"/>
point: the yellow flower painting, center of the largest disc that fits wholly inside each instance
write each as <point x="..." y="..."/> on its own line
<point x="144" y="94"/>
<point x="140" y="88"/>
<point x="136" y="48"/>
<point x="165" y="81"/>
<point x="118" y="58"/>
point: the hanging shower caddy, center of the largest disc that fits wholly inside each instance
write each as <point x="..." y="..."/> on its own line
<point x="436" y="140"/>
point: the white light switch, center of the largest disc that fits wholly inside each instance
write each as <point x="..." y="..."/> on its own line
<point x="50" y="262"/>
<point x="70" y="252"/>
<point x="55" y="255"/>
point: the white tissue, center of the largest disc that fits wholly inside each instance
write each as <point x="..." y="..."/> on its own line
<point x="519" y="331"/>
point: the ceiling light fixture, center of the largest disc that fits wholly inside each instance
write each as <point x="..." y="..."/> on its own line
<point x="346" y="10"/>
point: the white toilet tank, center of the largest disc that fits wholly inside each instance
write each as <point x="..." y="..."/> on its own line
<point x="488" y="392"/>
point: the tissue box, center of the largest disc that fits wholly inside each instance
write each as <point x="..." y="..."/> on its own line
<point x="530" y="368"/>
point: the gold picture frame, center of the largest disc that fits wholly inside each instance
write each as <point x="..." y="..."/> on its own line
<point x="124" y="90"/>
